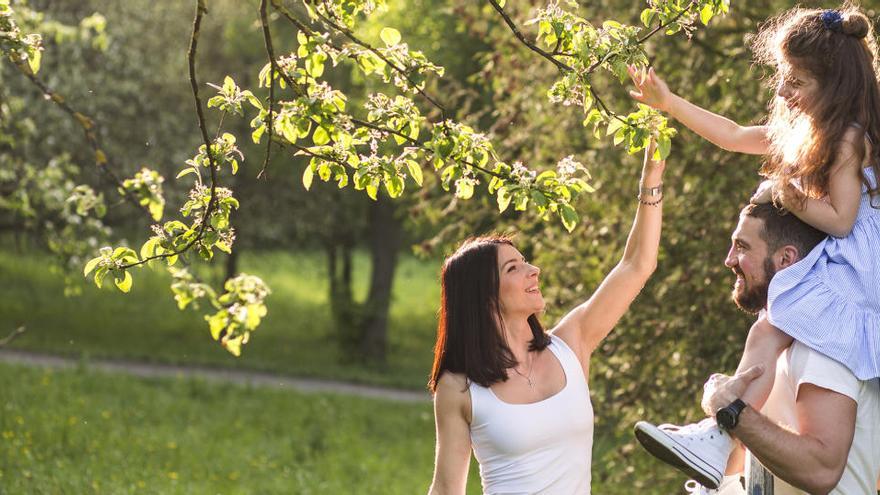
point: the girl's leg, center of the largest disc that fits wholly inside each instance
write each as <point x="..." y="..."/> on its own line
<point x="763" y="346"/>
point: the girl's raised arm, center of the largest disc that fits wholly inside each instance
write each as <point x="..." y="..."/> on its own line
<point x="721" y="131"/>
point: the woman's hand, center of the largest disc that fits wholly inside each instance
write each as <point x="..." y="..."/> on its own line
<point x="650" y="89"/>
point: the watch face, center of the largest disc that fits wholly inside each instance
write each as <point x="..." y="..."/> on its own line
<point x="725" y="418"/>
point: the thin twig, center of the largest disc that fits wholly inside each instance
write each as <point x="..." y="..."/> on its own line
<point x="201" y="10"/>
<point x="267" y="37"/>
<point x="351" y="36"/>
<point x="561" y="66"/>
<point x="88" y="125"/>
<point x="12" y="336"/>
<point x="674" y="19"/>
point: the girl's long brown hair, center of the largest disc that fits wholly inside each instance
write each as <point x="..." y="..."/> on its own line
<point x="843" y="59"/>
<point x="469" y="339"/>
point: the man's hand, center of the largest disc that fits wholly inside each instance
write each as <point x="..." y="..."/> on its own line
<point x="720" y="390"/>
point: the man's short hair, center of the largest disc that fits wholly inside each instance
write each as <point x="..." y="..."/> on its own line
<point x="782" y="228"/>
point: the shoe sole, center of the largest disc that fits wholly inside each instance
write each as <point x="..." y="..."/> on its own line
<point x="667" y="449"/>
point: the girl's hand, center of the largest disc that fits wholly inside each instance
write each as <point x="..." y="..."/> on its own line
<point x="764" y="194"/>
<point x="650" y="89"/>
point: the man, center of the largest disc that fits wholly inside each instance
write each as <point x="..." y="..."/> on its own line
<point x="820" y="429"/>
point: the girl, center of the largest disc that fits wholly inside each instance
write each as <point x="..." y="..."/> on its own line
<point x="503" y="387"/>
<point x="822" y="164"/>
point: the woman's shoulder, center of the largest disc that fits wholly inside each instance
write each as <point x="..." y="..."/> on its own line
<point x="450" y="380"/>
<point x="452" y="394"/>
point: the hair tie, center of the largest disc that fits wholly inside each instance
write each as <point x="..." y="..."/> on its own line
<point x="833" y="20"/>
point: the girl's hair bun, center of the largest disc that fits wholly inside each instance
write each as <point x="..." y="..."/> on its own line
<point x="856" y="24"/>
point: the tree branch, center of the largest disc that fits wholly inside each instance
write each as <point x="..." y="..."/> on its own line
<point x="560" y="65"/>
<point x="201" y="10"/>
<point x="348" y="34"/>
<point x="12" y="336"/>
<point x="267" y="37"/>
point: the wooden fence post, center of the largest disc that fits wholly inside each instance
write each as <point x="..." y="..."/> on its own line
<point x="759" y="481"/>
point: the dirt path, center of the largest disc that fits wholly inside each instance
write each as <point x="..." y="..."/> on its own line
<point x="223" y="375"/>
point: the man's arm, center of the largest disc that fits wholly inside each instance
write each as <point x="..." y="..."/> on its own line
<point x="813" y="459"/>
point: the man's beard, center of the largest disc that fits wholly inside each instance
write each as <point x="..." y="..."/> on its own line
<point x="754" y="299"/>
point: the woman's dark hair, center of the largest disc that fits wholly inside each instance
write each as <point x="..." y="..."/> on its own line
<point x="469" y="337"/>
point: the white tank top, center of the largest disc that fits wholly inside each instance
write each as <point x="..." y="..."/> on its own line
<point x="544" y="447"/>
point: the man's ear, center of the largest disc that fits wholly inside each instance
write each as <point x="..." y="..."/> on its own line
<point x="786" y="256"/>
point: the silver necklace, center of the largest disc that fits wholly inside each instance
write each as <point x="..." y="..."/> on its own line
<point x="529" y="376"/>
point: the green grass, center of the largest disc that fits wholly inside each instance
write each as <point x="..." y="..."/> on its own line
<point x="78" y="431"/>
<point x="297" y="336"/>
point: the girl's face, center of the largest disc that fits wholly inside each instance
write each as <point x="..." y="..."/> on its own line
<point x="797" y="87"/>
<point x="518" y="291"/>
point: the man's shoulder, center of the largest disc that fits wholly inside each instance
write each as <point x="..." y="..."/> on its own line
<point x="809" y="366"/>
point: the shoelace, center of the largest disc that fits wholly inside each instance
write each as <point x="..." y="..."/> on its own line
<point x="703" y="425"/>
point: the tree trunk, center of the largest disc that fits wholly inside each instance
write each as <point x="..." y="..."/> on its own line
<point x="385" y="239"/>
<point x="232" y="263"/>
<point x="344" y="309"/>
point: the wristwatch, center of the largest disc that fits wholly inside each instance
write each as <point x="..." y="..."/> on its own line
<point x="728" y="417"/>
<point x="650" y="191"/>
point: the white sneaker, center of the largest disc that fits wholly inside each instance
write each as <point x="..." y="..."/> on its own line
<point x="699" y="450"/>
<point x="694" y="488"/>
<point x="730" y="485"/>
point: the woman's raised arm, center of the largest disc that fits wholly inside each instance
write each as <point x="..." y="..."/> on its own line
<point x="585" y="326"/>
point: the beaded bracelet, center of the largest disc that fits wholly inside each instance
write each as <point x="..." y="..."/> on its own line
<point x="649" y="203"/>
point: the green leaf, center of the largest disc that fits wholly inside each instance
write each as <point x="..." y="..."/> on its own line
<point x="222" y="246"/>
<point x="258" y="134"/>
<point x="149" y="247"/>
<point x="613" y="127"/>
<point x="188" y="170"/>
<point x="394" y="185"/>
<point x="228" y="85"/>
<point x="100" y="274"/>
<point x="569" y="217"/>
<point x="647" y="16"/>
<point x="501" y="3"/>
<point x="156" y="210"/>
<point x="315" y="66"/>
<point x="372" y="191"/>
<point x="706" y="14"/>
<point x="34" y="61"/>
<point x="664" y="146"/>
<point x="503" y="197"/>
<point x="92" y="263"/>
<point x="415" y="171"/>
<point x="464" y="189"/>
<point x="124" y="283"/>
<point x="390" y="36"/>
<point x="539" y="198"/>
<point x="320" y="137"/>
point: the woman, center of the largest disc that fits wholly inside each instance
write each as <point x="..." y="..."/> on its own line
<point x="526" y="412"/>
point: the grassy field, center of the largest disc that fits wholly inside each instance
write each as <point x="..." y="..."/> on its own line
<point x="78" y="431"/>
<point x="295" y="338"/>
